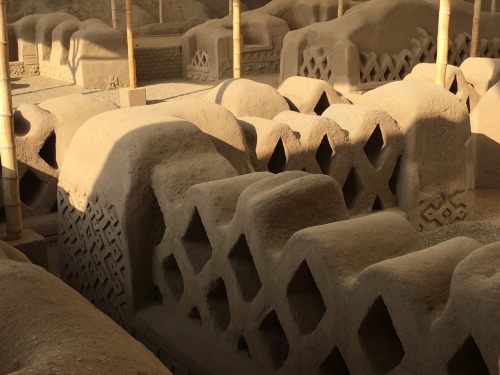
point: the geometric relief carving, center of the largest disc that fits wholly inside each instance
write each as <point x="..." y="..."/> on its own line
<point x="93" y="261"/>
<point x="386" y="68"/>
<point x="442" y="209"/>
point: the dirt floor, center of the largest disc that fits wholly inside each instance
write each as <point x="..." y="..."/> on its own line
<point x="37" y="89"/>
<point x="484" y="223"/>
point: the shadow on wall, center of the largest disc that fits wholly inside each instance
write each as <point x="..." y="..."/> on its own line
<point x="89" y="53"/>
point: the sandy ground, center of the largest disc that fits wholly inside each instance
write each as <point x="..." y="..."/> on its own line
<point x="484" y="223"/>
<point x="37" y="89"/>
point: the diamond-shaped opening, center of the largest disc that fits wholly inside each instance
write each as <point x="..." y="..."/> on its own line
<point x="374" y="146"/>
<point x="274" y="339"/>
<point x="322" y="104"/>
<point x="468" y="360"/>
<point x="306" y="302"/>
<point x="334" y="363"/>
<point x="278" y="159"/>
<point x="486" y="52"/>
<point x="30" y="188"/>
<point x="393" y="181"/>
<point x="377" y="204"/>
<point x="379" y="339"/>
<point x="324" y="63"/>
<point x="48" y="151"/>
<point x="218" y="304"/>
<point x="244" y="269"/>
<point x="352" y="188"/>
<point x="373" y="74"/>
<point x="387" y="74"/>
<point x="173" y="277"/>
<point x="324" y="155"/>
<point x="195" y="315"/>
<point x="454" y="86"/>
<point x="306" y="72"/>
<point x="242" y="346"/>
<point x="196" y="243"/>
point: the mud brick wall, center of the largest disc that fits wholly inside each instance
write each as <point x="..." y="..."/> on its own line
<point x="155" y="63"/>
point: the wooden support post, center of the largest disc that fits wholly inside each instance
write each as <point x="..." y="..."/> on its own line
<point x="113" y="14"/>
<point x="475" y="28"/>
<point x="340" y="11"/>
<point x="160" y="10"/>
<point x="10" y="174"/>
<point x="230" y="7"/>
<point x="442" y="41"/>
<point x="130" y="45"/>
<point x="236" y="39"/>
<point x="493" y="6"/>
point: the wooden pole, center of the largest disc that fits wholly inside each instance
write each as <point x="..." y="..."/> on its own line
<point x="442" y="41"/>
<point x="475" y="28"/>
<point x="130" y="45"/>
<point x="160" y="10"/>
<point x="236" y="39"/>
<point x="113" y="14"/>
<point x="493" y="6"/>
<point x="10" y="174"/>
<point x="340" y="11"/>
<point x="230" y="7"/>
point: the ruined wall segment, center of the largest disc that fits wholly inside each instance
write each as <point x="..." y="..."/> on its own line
<point x="236" y="222"/>
<point x="207" y="49"/>
<point x="90" y="53"/>
<point x="381" y="41"/>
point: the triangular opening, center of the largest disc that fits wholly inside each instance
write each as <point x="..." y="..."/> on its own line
<point x="305" y="299"/>
<point x="377" y="204"/>
<point x="379" y="339"/>
<point x="454" y="86"/>
<point x="468" y="360"/>
<point x="196" y="243"/>
<point x="352" y="188"/>
<point x="218" y="304"/>
<point x="30" y="188"/>
<point x="48" y="151"/>
<point x="173" y="277"/>
<point x="242" y="346"/>
<point x="393" y="181"/>
<point x="244" y="269"/>
<point x="195" y="315"/>
<point x="467" y="103"/>
<point x="157" y="297"/>
<point x="278" y="160"/>
<point x="334" y="364"/>
<point x="322" y="105"/>
<point x="156" y="225"/>
<point x="274" y="339"/>
<point x="324" y="155"/>
<point x="373" y="146"/>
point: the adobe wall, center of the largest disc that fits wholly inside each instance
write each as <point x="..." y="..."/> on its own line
<point x="158" y="63"/>
<point x="381" y="41"/>
<point x="242" y="230"/>
<point x="61" y="332"/>
<point x="207" y="49"/>
<point x="57" y="45"/>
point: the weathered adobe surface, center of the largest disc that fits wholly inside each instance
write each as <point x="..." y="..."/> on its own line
<point x="48" y="328"/>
